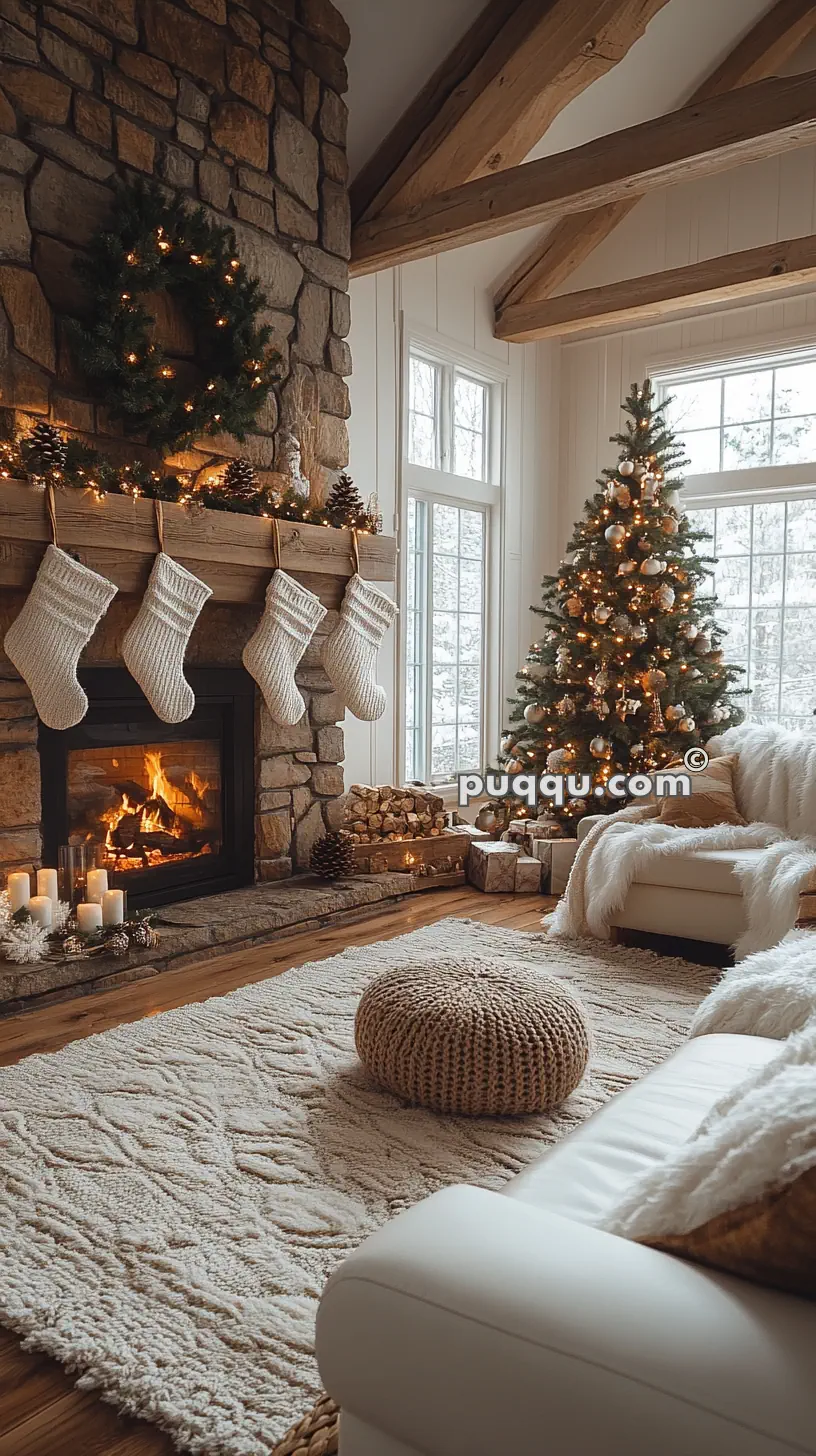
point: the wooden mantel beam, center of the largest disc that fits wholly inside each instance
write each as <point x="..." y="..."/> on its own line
<point x="494" y="96"/>
<point x="753" y="273"/>
<point x="710" y="136"/>
<point x="761" y="53"/>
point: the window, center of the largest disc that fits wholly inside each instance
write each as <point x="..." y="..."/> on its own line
<point x="451" y="452"/>
<point x="444" y="640"/>
<point x="765" y="581"/>
<point x="447" y="419"/>
<point x="760" y="414"/>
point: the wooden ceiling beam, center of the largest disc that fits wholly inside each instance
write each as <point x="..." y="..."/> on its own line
<point x="753" y="273"/>
<point x="494" y="96"/>
<point x="760" y="54"/>
<point x="710" y="136"/>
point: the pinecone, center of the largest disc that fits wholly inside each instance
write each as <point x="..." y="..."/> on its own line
<point x="46" y="449"/>
<point x="239" y="480"/>
<point x="119" y="943"/>
<point x="344" y="506"/>
<point x="73" y="945"/>
<point x="332" y="857"/>
<point x="142" y="935"/>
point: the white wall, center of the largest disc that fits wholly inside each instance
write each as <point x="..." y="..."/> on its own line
<point x="451" y="294"/>
<point x="766" y="202"/>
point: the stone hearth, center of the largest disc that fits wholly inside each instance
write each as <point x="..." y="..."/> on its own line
<point x="200" y="929"/>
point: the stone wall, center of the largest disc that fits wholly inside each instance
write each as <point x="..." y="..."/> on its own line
<point x="237" y="105"/>
<point x="297" y="774"/>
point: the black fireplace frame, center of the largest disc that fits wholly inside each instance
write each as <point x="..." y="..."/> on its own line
<point x="225" y="705"/>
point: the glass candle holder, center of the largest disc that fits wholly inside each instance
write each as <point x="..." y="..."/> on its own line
<point x="73" y="863"/>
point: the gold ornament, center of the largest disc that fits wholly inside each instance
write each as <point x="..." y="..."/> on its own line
<point x="560" y="759"/>
<point x="514" y="765"/>
<point x="638" y="632"/>
<point x="674" y="712"/>
<point x="600" y="747"/>
<point x="652" y="566"/>
<point x="573" y="606"/>
<point x="627" y="567"/>
<point x="600" y="707"/>
<point x="602" y="613"/>
<point x="665" y="597"/>
<point x="669" y="525"/>
<point x="565" y="707"/>
<point x="507" y="743"/>
<point x="535" y="713"/>
<point x="687" y="725"/>
<point x="615" y="534"/>
<point x="654" y="680"/>
<point x="622" y="496"/>
<point x="601" y="681"/>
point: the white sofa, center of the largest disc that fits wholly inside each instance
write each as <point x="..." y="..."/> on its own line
<point x="697" y="896"/>
<point x="481" y="1323"/>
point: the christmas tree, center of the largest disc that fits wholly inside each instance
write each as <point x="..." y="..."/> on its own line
<point x="629" y="671"/>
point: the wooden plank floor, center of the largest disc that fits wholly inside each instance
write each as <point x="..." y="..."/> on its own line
<point x="41" y="1414"/>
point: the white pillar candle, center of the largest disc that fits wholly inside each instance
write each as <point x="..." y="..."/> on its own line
<point x="113" y="907"/>
<point x="19" y="890"/>
<point x="96" y="884"/>
<point x="89" y="916"/>
<point x="40" y="909"/>
<point x="47" y="884"/>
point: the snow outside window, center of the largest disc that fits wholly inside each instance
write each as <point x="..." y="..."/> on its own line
<point x="449" y="415"/>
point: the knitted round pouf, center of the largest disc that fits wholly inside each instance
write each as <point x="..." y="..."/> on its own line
<point x="473" y="1035"/>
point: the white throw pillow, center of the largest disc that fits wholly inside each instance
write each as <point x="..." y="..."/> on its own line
<point x="762" y="1135"/>
<point x="771" y="993"/>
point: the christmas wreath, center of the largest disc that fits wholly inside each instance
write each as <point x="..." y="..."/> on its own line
<point x="156" y="244"/>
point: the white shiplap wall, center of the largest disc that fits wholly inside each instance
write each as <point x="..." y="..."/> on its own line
<point x="764" y="203"/>
<point x="452" y="295"/>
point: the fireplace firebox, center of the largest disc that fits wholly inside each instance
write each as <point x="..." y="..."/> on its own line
<point x="169" y="806"/>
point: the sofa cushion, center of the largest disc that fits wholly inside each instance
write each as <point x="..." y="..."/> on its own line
<point x="703" y="869"/>
<point x="712" y="798"/>
<point x="585" y="1176"/>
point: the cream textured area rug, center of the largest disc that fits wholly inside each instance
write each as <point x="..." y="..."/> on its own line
<point x="174" y="1193"/>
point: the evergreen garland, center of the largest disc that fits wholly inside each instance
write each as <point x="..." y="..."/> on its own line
<point x="155" y="243"/>
<point x="84" y="468"/>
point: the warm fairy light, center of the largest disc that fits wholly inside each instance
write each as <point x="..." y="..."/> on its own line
<point x="235" y="263"/>
<point x="131" y="259"/>
<point x="228" y="278"/>
<point x="210" y="386"/>
<point x="196" y="258"/>
<point x="189" y="406"/>
<point x="133" y="358"/>
<point x="125" y="297"/>
<point x="166" y="372"/>
<point x="221" y="322"/>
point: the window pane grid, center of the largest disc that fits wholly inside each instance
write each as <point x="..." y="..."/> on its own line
<point x="741" y="419"/>
<point x="443" y="676"/>
<point x="767" y="592"/>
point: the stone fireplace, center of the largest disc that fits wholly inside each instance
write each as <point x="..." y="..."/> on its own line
<point x="243" y="798"/>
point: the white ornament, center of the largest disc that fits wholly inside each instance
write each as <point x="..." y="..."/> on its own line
<point x="615" y="534"/>
<point x="688" y="630"/>
<point x="534" y="713"/>
<point x="599" y="707"/>
<point x="514" y="765"/>
<point x="602" y="613"/>
<point x="672" y="499"/>
<point x="648" y="487"/>
<point x="652" y="566"/>
<point x="507" y="744"/>
<point x="687" y="725"/>
<point x="626" y="467"/>
<point x="560" y="759"/>
<point x="665" y="596"/>
<point x="600" y="747"/>
<point x="25" y="943"/>
<point x="702" y="643"/>
<point x="638" y="632"/>
<point x="669" y="525"/>
<point x="627" y="567"/>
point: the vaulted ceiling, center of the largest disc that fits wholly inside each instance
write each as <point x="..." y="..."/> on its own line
<point x="516" y="81"/>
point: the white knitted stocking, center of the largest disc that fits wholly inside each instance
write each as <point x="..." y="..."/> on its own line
<point x="62" y="610"/>
<point x="290" y="618"/>
<point x="156" y="640"/>
<point x="350" y="653"/>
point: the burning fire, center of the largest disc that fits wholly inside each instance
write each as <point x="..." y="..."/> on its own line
<point x="169" y="822"/>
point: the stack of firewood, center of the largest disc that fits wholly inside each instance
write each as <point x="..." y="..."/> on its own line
<point x="387" y="813"/>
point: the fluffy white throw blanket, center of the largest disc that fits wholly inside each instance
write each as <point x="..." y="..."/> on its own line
<point x="772" y="993"/>
<point x="776" y="792"/>
<point x="761" y="1135"/>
